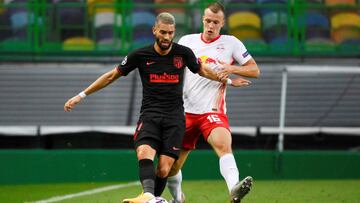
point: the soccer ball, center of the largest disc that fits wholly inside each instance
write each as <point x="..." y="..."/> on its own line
<point x="157" y="200"/>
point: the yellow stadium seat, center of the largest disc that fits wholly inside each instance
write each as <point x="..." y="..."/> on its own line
<point x="345" y="33"/>
<point x="78" y="44"/>
<point x="246" y="32"/>
<point x="99" y="6"/>
<point x="345" y="19"/>
<point x="340" y="2"/>
<point x="244" y="18"/>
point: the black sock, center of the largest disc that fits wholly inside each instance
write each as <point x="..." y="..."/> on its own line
<point x="160" y="184"/>
<point x="147" y="175"/>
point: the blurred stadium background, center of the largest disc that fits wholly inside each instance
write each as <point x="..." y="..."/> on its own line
<point x="52" y="49"/>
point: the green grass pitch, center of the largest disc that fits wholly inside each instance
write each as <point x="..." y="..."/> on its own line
<point x="316" y="191"/>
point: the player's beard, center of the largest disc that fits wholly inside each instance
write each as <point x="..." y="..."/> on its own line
<point x="163" y="47"/>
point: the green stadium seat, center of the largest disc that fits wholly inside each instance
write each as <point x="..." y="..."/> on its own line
<point x="320" y="45"/>
<point x="255" y="45"/>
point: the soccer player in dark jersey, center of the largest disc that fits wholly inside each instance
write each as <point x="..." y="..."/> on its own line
<point x="161" y="125"/>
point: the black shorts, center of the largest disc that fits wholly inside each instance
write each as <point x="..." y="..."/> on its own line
<point x="164" y="134"/>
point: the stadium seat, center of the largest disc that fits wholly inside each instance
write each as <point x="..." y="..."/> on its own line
<point x="345" y="33"/>
<point x="345" y="19"/>
<point x="247" y="6"/>
<point x="5" y="25"/>
<point x="315" y="1"/>
<point x="100" y="6"/>
<point x="142" y="22"/>
<point x="244" y="18"/>
<point x="71" y="18"/>
<point x="22" y="20"/>
<point x="345" y="26"/>
<point x="174" y="9"/>
<point x="351" y="46"/>
<point x="281" y="44"/>
<point x="255" y="45"/>
<point x="245" y="25"/>
<point x="317" y="28"/>
<point x="274" y="32"/>
<point x="320" y="45"/>
<point x="272" y="1"/>
<point x="281" y="6"/>
<point x="246" y="33"/>
<point x="340" y="2"/>
<point x="316" y="32"/>
<point x="273" y="19"/>
<point x="274" y="25"/>
<point x="78" y="44"/>
<point x="312" y="18"/>
<point x="142" y="19"/>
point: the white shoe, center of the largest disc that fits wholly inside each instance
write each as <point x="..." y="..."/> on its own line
<point x="241" y="189"/>
<point x="182" y="199"/>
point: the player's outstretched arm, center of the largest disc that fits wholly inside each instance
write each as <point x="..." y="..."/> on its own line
<point x="249" y="69"/>
<point x="103" y="81"/>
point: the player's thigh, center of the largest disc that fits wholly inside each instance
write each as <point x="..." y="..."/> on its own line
<point x="220" y="139"/>
<point x="147" y="137"/>
<point x="192" y="131"/>
<point x="173" y="131"/>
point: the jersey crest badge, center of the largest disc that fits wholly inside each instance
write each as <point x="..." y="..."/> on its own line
<point x="124" y="61"/>
<point x="178" y="62"/>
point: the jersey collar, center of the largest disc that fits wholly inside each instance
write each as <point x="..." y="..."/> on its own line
<point x="213" y="40"/>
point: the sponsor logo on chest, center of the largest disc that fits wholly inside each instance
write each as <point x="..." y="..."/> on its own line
<point x="164" y="78"/>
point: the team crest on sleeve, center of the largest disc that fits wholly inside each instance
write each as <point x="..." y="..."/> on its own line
<point x="123" y="62"/>
<point x="178" y="61"/>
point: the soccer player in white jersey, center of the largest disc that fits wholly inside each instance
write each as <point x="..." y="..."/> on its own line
<point x="204" y="101"/>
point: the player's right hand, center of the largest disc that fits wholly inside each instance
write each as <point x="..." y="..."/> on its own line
<point x="69" y="105"/>
<point x="239" y="82"/>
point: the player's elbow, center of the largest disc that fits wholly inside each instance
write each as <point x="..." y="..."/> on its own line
<point x="111" y="76"/>
<point x="256" y="72"/>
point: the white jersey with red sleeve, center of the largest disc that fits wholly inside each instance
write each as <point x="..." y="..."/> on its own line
<point x="202" y="95"/>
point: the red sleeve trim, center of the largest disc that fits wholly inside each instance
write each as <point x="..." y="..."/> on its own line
<point x="119" y="71"/>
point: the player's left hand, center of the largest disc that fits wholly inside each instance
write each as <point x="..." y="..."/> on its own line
<point x="239" y="82"/>
<point x="225" y="69"/>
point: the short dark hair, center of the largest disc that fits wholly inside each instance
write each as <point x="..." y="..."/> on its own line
<point x="165" y="18"/>
<point x="215" y="7"/>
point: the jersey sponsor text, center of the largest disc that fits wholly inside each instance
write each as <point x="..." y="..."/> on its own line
<point x="164" y="78"/>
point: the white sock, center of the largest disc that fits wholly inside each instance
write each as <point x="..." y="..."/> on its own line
<point x="174" y="185"/>
<point x="229" y="170"/>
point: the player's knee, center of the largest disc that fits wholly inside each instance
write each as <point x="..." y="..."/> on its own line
<point x="222" y="148"/>
<point x="144" y="152"/>
<point x="163" y="171"/>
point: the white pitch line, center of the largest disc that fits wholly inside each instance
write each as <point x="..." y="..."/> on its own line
<point x="87" y="192"/>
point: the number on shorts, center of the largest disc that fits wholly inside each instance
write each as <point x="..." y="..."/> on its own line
<point x="213" y="118"/>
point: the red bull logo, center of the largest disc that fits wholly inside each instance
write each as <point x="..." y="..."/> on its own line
<point x="207" y="60"/>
